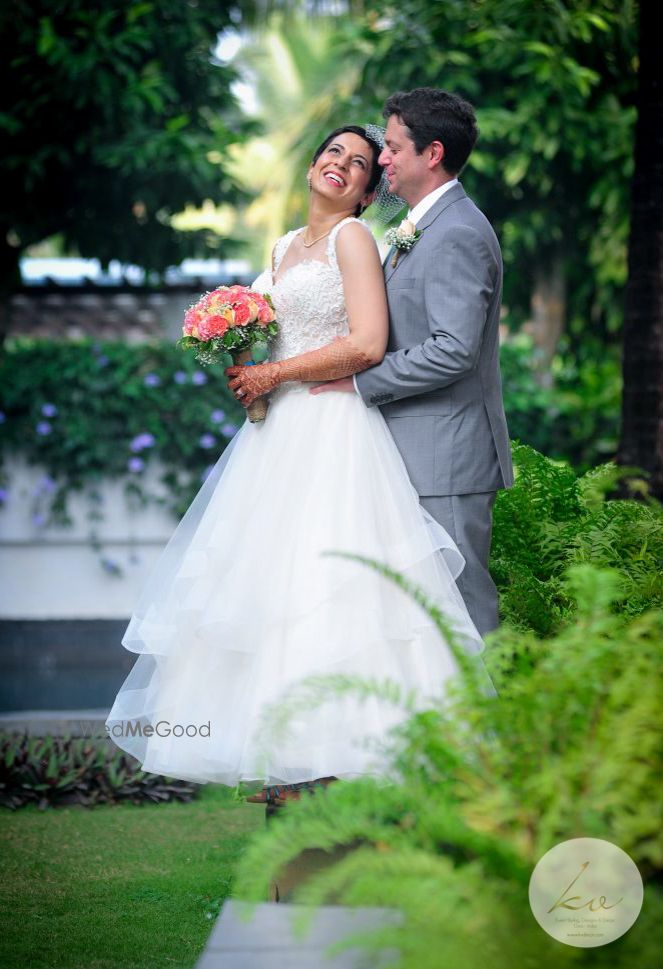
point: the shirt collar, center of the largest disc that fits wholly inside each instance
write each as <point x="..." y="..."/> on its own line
<point x="420" y="209"/>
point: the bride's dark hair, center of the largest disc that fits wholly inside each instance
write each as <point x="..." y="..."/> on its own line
<point x="355" y="129"/>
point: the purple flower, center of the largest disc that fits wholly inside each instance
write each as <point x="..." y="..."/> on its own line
<point x="229" y="430"/>
<point x="142" y="441"/>
<point x="111" y="565"/>
<point x="39" y="519"/>
<point x="4" y="494"/>
<point x="180" y="377"/>
<point x="199" y="378"/>
<point x="207" y="440"/>
<point x="218" y="415"/>
<point x="152" y="380"/>
<point x="45" y="484"/>
<point x="135" y="464"/>
<point x="206" y="472"/>
<point x="3" y="417"/>
<point x="102" y="360"/>
<point x="43" y="427"/>
<point x="49" y="410"/>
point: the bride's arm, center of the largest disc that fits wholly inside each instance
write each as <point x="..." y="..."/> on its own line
<point x="366" y="304"/>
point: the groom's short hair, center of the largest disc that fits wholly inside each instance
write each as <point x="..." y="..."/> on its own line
<point x="434" y="115"/>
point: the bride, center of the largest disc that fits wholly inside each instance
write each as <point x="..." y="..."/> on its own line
<point x="243" y="603"/>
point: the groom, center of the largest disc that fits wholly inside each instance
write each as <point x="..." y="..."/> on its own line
<point x="439" y="385"/>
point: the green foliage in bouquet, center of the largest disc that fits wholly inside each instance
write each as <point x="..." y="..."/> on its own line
<point x="552" y="519"/>
<point x="220" y="348"/>
<point x="482" y="787"/>
<point x="54" y="771"/>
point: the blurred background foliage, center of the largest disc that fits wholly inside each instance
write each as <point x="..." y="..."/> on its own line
<point x="554" y="86"/>
<point x="113" y="117"/>
<point x="90" y="411"/>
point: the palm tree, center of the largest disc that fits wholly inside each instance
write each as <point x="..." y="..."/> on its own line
<point x="302" y="79"/>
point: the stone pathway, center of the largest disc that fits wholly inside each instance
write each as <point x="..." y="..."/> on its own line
<point x="268" y="940"/>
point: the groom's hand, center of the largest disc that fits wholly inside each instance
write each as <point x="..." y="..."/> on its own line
<point x="344" y="384"/>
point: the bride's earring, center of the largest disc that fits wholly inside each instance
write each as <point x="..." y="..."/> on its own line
<point x="308" y="182"/>
<point x="364" y="205"/>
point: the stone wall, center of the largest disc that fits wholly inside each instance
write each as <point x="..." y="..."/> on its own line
<point x="124" y="312"/>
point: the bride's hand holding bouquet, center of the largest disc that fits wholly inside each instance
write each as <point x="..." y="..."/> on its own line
<point x="231" y="325"/>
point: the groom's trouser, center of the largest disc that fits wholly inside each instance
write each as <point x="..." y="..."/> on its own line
<point x="469" y="521"/>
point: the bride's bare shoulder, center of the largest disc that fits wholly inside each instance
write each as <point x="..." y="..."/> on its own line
<point x="354" y="236"/>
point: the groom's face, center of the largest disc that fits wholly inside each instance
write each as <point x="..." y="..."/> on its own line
<point x="406" y="170"/>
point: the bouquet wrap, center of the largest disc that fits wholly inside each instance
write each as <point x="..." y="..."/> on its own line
<point x="256" y="411"/>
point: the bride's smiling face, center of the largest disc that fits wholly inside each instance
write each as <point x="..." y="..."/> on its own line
<point x="343" y="170"/>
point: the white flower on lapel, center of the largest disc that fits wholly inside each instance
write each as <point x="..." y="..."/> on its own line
<point x="402" y="238"/>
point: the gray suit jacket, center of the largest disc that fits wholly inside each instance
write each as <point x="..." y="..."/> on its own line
<point x="439" y="385"/>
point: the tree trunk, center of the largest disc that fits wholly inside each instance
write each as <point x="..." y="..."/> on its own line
<point x="10" y="280"/>
<point x="641" y="441"/>
<point x="548" y="305"/>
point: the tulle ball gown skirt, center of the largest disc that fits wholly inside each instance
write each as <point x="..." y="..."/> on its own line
<point x="242" y="605"/>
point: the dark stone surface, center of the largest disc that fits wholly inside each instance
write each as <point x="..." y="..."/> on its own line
<point x="61" y="664"/>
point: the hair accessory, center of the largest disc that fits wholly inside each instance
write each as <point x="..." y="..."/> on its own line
<point x="385" y="205"/>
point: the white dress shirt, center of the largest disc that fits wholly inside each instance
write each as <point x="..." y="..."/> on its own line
<point x="428" y="201"/>
<point x="418" y="212"/>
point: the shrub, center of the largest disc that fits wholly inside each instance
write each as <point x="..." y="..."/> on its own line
<point x="552" y="519"/>
<point x="88" y="410"/>
<point x="52" y="771"/>
<point x="577" y="418"/>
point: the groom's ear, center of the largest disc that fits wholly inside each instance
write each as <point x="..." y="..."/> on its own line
<point x="435" y="152"/>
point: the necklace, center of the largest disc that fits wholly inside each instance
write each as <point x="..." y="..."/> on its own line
<point x="307" y="245"/>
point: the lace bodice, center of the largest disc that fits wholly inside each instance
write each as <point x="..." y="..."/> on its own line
<point x="308" y="298"/>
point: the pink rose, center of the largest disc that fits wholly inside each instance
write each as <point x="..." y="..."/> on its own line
<point x="190" y="320"/>
<point x="212" y="325"/>
<point x="265" y="312"/>
<point x="242" y="313"/>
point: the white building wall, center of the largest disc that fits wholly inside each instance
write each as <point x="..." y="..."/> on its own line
<point x="53" y="572"/>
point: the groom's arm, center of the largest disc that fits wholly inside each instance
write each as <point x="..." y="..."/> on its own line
<point x="458" y="288"/>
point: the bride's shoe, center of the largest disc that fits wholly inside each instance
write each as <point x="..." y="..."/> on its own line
<point x="293" y="792"/>
<point x="265" y="796"/>
<point x="280" y="794"/>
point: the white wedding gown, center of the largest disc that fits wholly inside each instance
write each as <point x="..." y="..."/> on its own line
<point x="242" y="604"/>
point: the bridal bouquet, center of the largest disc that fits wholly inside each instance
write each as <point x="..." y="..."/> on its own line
<point x="231" y="325"/>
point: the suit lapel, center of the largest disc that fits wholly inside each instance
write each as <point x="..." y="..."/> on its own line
<point x="453" y="195"/>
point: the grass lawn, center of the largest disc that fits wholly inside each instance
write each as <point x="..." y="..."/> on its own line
<point x="118" y="887"/>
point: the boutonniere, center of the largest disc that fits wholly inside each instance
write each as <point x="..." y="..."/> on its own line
<point x="402" y="238"/>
